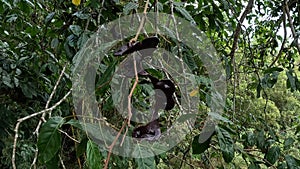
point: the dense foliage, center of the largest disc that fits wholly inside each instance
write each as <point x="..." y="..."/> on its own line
<point x="257" y="42"/>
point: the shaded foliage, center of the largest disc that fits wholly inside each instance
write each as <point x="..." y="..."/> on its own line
<point x="261" y="126"/>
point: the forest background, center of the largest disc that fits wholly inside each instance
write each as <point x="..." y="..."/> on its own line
<point x="256" y="40"/>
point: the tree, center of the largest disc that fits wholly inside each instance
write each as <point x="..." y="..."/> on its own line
<point x="257" y="42"/>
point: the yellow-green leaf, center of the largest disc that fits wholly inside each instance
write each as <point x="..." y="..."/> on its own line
<point x="76" y="2"/>
<point x="194" y="92"/>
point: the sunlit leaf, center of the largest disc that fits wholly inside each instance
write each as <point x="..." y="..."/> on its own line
<point x="194" y="92"/>
<point x="76" y="2"/>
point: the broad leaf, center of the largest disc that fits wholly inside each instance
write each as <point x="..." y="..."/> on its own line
<point x="260" y="140"/>
<point x="75" y="123"/>
<point x="49" y="139"/>
<point x="103" y="82"/>
<point x="145" y="163"/>
<point x="76" y="29"/>
<point x="288" y="142"/>
<point x="254" y="166"/>
<point x="273" y="154"/>
<point x="76" y="2"/>
<point x="142" y="151"/>
<point x="49" y="17"/>
<point x="185" y="14"/>
<point x="129" y="7"/>
<point x="226" y="144"/>
<point x="93" y="156"/>
<point x="292" y="162"/>
<point x="199" y="148"/>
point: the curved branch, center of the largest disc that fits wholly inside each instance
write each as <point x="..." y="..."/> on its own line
<point x="239" y="27"/>
<point x="13" y="160"/>
<point x="284" y="37"/>
<point x="292" y="26"/>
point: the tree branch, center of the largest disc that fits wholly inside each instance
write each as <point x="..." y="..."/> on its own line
<point x="239" y="27"/>
<point x="127" y="121"/>
<point x="284" y="37"/>
<point x="13" y="160"/>
<point x="292" y="27"/>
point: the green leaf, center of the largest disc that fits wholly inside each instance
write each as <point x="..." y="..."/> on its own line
<point x="250" y="140"/>
<point x="146" y="159"/>
<point x="282" y="165"/>
<point x="226" y="144"/>
<point x="292" y="162"/>
<point x="93" y="156"/>
<point x="16" y="81"/>
<point x="260" y="140"/>
<point x="169" y="32"/>
<point x="81" y="15"/>
<point x="71" y="40"/>
<point x="130" y="6"/>
<point x="7" y="3"/>
<point x="258" y="90"/>
<point x="273" y="69"/>
<point x="53" y="163"/>
<point x="103" y="84"/>
<point x="49" y="17"/>
<point x="69" y="51"/>
<point x="254" y="166"/>
<point x="217" y="116"/>
<point x="82" y="39"/>
<point x="185" y="14"/>
<point x="288" y="142"/>
<point x="270" y="77"/>
<point x="81" y="147"/>
<point x="7" y="81"/>
<point x="28" y="89"/>
<point x="75" y="123"/>
<point x="297" y="129"/>
<point x="189" y="60"/>
<point x="49" y="139"/>
<point x="291" y="81"/>
<point x="273" y="154"/>
<point x="146" y="163"/>
<point x="54" y="43"/>
<point x="199" y="148"/>
<point x="75" y="29"/>
<point x="185" y="117"/>
<point x="12" y="18"/>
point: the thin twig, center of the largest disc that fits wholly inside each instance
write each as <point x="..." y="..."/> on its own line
<point x="131" y="92"/>
<point x="49" y="100"/>
<point x="29" y="117"/>
<point x="141" y="23"/>
<point x="113" y="144"/>
<point x="69" y="136"/>
<point x="127" y="121"/>
<point x="62" y="162"/>
<point x="36" y="132"/>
